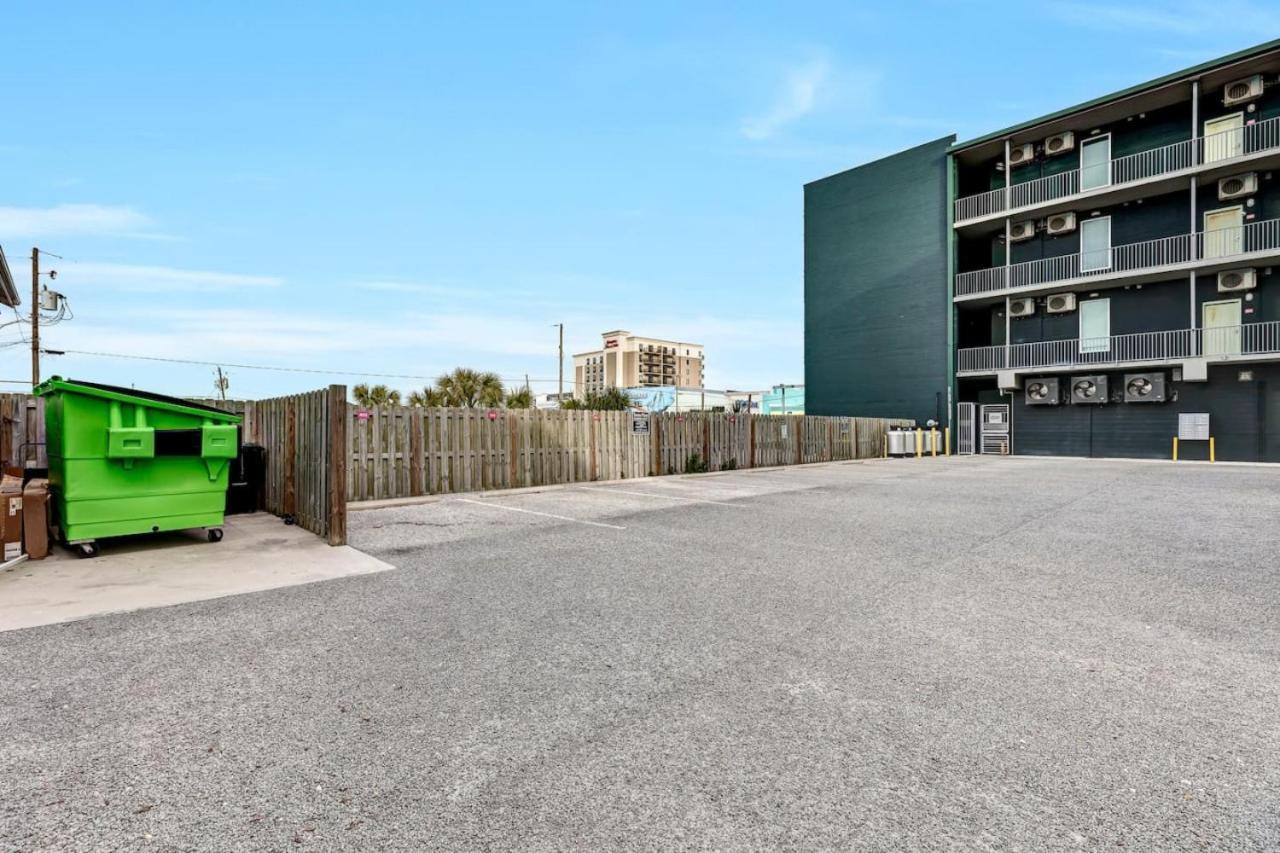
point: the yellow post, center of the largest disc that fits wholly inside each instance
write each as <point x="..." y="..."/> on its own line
<point x="886" y="445"/>
<point x="919" y="442"/>
<point x="1175" y="448"/>
<point x="946" y="438"/>
<point x="933" y="441"/>
<point x="1213" y="454"/>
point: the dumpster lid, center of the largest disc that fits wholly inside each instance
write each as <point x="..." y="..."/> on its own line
<point x="131" y="395"/>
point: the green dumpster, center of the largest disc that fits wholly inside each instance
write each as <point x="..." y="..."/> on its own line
<point x="123" y="461"/>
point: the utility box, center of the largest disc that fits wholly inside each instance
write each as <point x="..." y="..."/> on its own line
<point x="11" y="514"/>
<point x="123" y="461"/>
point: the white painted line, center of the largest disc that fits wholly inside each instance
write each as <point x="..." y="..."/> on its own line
<point x="610" y="490"/>
<point x="546" y="514"/>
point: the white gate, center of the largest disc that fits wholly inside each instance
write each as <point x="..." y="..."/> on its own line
<point x="966" y="428"/>
<point x="995" y="435"/>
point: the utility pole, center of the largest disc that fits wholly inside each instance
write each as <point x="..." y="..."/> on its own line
<point x="222" y="385"/>
<point x="560" y="326"/>
<point x="35" y="316"/>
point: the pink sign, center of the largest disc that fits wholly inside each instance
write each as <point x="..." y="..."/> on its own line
<point x="362" y="415"/>
<point x="492" y="414"/>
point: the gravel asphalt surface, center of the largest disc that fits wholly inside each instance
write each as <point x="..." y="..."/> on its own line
<point x="962" y="654"/>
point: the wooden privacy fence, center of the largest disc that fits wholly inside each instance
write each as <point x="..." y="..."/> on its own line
<point x="399" y="451"/>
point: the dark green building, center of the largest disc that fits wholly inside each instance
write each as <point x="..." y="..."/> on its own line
<point x="1094" y="282"/>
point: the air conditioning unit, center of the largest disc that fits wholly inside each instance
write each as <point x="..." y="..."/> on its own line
<point x="1240" y="91"/>
<point x="1025" y="230"/>
<point x="1044" y="391"/>
<point x="1024" y="307"/>
<point x="1020" y="154"/>
<point x="1060" y="303"/>
<point x="1060" y="223"/>
<point x="1060" y="143"/>
<point x="1237" y="186"/>
<point x="1144" y="388"/>
<point x="1229" y="281"/>
<point x="1089" y="390"/>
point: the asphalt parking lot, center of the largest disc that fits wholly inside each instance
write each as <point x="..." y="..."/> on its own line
<point x="962" y="654"/>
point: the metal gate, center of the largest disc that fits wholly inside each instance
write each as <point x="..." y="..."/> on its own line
<point x="965" y="428"/>
<point x="995" y="436"/>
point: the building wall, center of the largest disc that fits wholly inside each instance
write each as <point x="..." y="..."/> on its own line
<point x="876" y="301"/>
<point x="1244" y="420"/>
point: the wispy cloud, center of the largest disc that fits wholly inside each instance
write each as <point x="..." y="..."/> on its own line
<point x="799" y="96"/>
<point x="151" y="279"/>
<point x="75" y="220"/>
<point x="1181" y="17"/>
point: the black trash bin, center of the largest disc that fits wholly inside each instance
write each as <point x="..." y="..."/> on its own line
<point x="248" y="479"/>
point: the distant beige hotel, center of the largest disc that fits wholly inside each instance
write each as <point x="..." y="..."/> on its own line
<point x="625" y="360"/>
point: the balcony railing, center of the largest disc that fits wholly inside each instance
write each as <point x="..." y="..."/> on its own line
<point x="1215" y="344"/>
<point x="1220" y="244"/>
<point x="1204" y="150"/>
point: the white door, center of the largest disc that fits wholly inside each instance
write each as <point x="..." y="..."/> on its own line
<point x="1095" y="325"/>
<point x="1095" y="163"/>
<point x="1221" y="330"/>
<point x="1223" y="232"/>
<point x="1224" y="138"/>
<point x="1095" y="244"/>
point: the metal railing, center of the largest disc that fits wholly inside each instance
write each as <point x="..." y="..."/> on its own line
<point x="1175" y="157"/>
<point x="1219" y="244"/>
<point x="1214" y="344"/>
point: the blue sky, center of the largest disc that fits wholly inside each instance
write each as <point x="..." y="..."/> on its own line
<point x="407" y="187"/>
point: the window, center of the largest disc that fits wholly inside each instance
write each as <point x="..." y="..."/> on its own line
<point x="1095" y="163"/>
<point x="1095" y="325"/>
<point x="1095" y="244"/>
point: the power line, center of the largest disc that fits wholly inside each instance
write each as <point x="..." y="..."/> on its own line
<point x="309" y="370"/>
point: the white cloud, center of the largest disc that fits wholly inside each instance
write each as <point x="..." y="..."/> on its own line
<point x="142" y="278"/>
<point x="797" y="99"/>
<point x="74" y="219"/>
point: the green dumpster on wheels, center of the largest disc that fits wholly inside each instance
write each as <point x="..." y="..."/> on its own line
<point x="123" y="461"/>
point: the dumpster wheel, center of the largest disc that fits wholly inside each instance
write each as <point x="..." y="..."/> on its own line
<point x="215" y="534"/>
<point x="86" y="549"/>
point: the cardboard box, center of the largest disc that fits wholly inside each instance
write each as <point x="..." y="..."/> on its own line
<point x="35" y="518"/>
<point x="11" y="501"/>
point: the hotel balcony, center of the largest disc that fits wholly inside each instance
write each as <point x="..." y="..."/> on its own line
<point x="1249" y="342"/>
<point x="1145" y="173"/>
<point x="1149" y="260"/>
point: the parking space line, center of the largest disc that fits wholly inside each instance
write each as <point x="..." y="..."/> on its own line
<point x="610" y="489"/>
<point x="545" y="514"/>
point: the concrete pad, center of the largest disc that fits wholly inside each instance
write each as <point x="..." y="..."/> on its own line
<point x="257" y="552"/>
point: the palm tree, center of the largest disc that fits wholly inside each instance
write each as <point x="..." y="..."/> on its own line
<point x="471" y="388"/>
<point x="427" y="398"/>
<point x="520" y="399"/>
<point x="609" y="400"/>
<point x="378" y="395"/>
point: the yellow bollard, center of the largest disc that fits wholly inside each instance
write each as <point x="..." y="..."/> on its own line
<point x="1175" y="448"/>
<point x="886" y="445"/>
<point x="946" y="438"/>
<point x="919" y="442"/>
<point x="933" y="441"/>
<point x="1213" y="453"/>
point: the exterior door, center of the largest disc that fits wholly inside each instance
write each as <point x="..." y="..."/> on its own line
<point x="1095" y="244"/>
<point x="965" y="427"/>
<point x="1224" y="138"/>
<point x="1095" y="326"/>
<point x="1095" y="163"/>
<point x="1221" y="330"/>
<point x="1223" y="232"/>
<point x="996" y="432"/>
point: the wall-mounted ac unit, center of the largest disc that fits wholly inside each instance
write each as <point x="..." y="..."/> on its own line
<point x="1229" y="281"/>
<point x="1089" y="390"/>
<point x="1044" y="391"/>
<point x="1144" y="388"/>
<point x="1060" y="223"/>
<point x="1025" y="230"/>
<point x="1237" y="186"/>
<point x="1240" y="91"/>
<point x="1060" y="303"/>
<point x="1060" y="143"/>
<point x="1024" y="307"/>
<point x="1020" y="154"/>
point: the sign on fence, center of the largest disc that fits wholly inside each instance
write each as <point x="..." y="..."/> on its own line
<point x="639" y="423"/>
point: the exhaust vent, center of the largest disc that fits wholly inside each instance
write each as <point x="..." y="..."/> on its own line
<point x="1089" y="390"/>
<point x="1144" y="388"/>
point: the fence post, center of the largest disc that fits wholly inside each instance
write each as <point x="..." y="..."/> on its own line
<point x="656" y="469"/>
<point x="290" y="506"/>
<point x="336" y="454"/>
<point x="799" y="439"/>
<point x="706" y="439"/>
<point x="751" y="440"/>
